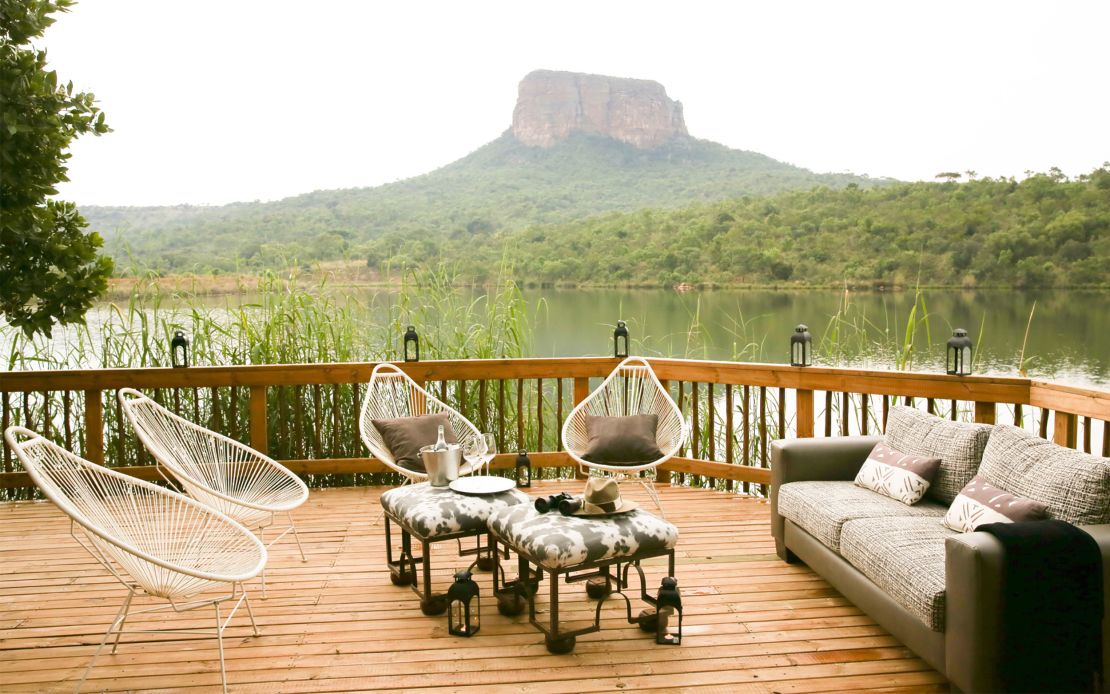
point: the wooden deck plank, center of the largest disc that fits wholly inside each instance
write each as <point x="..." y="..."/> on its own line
<point x="335" y="623"/>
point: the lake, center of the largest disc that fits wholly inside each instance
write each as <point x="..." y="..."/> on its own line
<point x="1068" y="339"/>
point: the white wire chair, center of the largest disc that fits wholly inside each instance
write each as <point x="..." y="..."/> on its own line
<point x="630" y="389"/>
<point x="156" y="541"/>
<point x="216" y="470"/>
<point x="391" y="394"/>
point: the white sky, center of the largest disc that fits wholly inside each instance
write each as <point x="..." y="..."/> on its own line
<point x="220" y="101"/>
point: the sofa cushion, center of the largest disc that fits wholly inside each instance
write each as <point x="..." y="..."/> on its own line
<point x="1075" y="486"/>
<point x="905" y="558"/>
<point x="822" y="508"/>
<point x="892" y="473"/>
<point x="959" y="446"/>
<point x="980" y="502"/>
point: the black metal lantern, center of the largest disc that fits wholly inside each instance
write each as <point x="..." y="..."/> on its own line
<point x="179" y="350"/>
<point x="801" y="347"/>
<point x="620" y="335"/>
<point x="958" y="361"/>
<point x="411" y="338"/>
<point x="523" y="469"/>
<point x="463" y="606"/>
<point x="668" y="607"/>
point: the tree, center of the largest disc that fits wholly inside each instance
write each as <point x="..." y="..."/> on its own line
<point x="50" y="267"/>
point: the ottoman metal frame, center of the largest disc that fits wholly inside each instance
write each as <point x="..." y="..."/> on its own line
<point x="526" y="586"/>
<point x="402" y="570"/>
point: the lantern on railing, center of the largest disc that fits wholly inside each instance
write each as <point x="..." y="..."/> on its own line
<point x="668" y="607"/>
<point x="463" y="606"/>
<point x="958" y="361"/>
<point x="523" y="469"/>
<point x="179" y="350"/>
<point x="801" y="347"/>
<point x="620" y="335"/>
<point x="413" y="340"/>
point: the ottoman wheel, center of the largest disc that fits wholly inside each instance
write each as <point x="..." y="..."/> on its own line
<point x="561" y="645"/>
<point x="399" y="578"/>
<point x="510" y="604"/>
<point x="647" y="620"/>
<point x="484" y="563"/>
<point x="599" y="587"/>
<point x="437" y="604"/>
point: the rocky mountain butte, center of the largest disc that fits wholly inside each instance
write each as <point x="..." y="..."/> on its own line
<point x="551" y="105"/>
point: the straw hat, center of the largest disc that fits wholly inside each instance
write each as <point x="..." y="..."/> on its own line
<point x="602" y="497"/>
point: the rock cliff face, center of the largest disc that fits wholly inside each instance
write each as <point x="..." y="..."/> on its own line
<point x="552" y="105"/>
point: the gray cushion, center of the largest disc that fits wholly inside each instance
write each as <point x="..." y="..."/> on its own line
<point x="405" y="436"/>
<point x="904" y="557"/>
<point x="1075" y="486"/>
<point x="433" y="512"/>
<point x="959" y="446"/>
<point x="555" y="541"/>
<point x="822" y="508"/>
<point x="622" y="440"/>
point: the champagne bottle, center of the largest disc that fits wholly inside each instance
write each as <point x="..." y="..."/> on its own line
<point x="441" y="442"/>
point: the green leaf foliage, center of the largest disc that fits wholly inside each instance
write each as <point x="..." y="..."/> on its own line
<point x="501" y="187"/>
<point x="50" y="269"/>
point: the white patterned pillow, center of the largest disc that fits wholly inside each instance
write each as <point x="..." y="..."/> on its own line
<point x="900" y="476"/>
<point x="979" y="503"/>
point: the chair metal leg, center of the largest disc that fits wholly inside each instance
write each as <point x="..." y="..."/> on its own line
<point x="250" y="612"/>
<point x="123" y="620"/>
<point x="220" y="642"/>
<point x="297" y="537"/>
<point x="118" y="621"/>
<point x="649" y="485"/>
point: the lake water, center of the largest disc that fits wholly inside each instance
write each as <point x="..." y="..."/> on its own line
<point x="1068" y="339"/>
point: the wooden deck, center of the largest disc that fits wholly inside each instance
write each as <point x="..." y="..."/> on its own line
<point x="336" y="623"/>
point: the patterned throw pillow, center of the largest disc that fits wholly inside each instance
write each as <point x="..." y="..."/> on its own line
<point x="980" y="502"/>
<point x="900" y="476"/>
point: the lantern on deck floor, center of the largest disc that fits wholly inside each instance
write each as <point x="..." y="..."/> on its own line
<point x="668" y="608"/>
<point x="411" y="338"/>
<point x="801" y="347"/>
<point x="523" y="469"/>
<point x="179" y="350"/>
<point x="620" y="335"/>
<point x="463" y="606"/>
<point x="958" y="361"/>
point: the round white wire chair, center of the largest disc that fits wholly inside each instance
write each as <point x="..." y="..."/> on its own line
<point x="391" y="394"/>
<point x="155" y="541"/>
<point x="216" y="470"/>
<point x="632" y="388"/>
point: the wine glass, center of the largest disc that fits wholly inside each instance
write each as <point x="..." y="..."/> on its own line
<point x="490" y="445"/>
<point x="474" y="452"/>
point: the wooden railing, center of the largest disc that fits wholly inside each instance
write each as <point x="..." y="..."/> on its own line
<point x="306" y="414"/>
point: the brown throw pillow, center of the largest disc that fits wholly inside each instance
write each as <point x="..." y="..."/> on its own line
<point x="405" y="436"/>
<point x="980" y="502"/>
<point x="622" y="440"/>
<point x="895" y="474"/>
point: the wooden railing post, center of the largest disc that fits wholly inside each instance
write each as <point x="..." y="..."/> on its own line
<point x="581" y="392"/>
<point x="94" y="427"/>
<point x="260" y="437"/>
<point x="1065" y="428"/>
<point x="984" y="412"/>
<point x="805" y="413"/>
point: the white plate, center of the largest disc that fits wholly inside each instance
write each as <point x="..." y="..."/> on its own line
<point x="481" y="484"/>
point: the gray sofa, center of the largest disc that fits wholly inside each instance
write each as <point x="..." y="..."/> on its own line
<point x="933" y="588"/>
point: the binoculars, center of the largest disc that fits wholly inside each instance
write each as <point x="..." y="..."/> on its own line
<point x="550" y="503"/>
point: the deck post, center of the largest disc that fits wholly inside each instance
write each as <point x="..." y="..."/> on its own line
<point x="94" y="427"/>
<point x="1065" y="429"/>
<point x="581" y="392"/>
<point x="805" y="413"/>
<point x="984" y="412"/>
<point x="260" y="437"/>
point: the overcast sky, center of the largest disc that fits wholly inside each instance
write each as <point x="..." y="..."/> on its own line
<point x="220" y="101"/>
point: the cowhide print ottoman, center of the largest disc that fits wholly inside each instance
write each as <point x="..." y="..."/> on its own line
<point x="434" y="514"/>
<point x="577" y="548"/>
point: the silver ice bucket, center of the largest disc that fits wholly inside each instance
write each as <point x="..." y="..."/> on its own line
<point x="442" y="466"/>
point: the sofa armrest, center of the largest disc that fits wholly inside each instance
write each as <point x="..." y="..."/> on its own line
<point x="973" y="573"/>
<point x="813" y="459"/>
